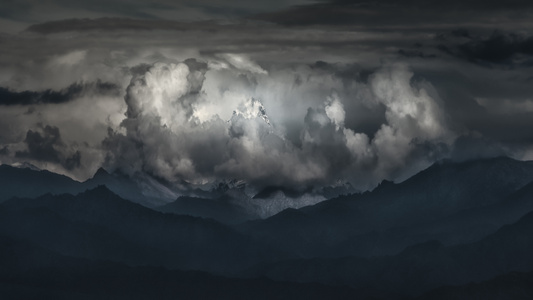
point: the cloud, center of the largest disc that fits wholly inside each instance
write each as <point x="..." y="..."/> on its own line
<point x="73" y="91"/>
<point x="335" y="111"/>
<point x="476" y="146"/>
<point x="271" y="104"/>
<point x="166" y="137"/>
<point x="390" y="14"/>
<point x="70" y="59"/>
<point x="81" y="118"/>
<point x="46" y="145"/>
<point x="31" y="11"/>
<point x="242" y="62"/>
<point x="497" y="48"/>
<point x="115" y="24"/>
<point x="41" y="145"/>
<point x="4" y="151"/>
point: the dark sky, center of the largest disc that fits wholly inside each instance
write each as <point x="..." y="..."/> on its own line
<point x="291" y="93"/>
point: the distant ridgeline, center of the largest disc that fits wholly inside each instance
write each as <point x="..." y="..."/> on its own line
<point x="229" y="201"/>
<point x="455" y="230"/>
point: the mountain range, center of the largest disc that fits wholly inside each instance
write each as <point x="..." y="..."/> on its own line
<point x="455" y="229"/>
<point x="233" y="199"/>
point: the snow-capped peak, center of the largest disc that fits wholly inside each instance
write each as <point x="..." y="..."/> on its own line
<point x="26" y="165"/>
<point x="252" y="108"/>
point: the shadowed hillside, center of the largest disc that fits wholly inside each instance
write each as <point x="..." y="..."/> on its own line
<point x="454" y="229"/>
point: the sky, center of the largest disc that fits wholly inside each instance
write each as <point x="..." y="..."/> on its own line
<point x="289" y="93"/>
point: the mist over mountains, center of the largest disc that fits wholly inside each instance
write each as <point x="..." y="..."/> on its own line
<point x="445" y="231"/>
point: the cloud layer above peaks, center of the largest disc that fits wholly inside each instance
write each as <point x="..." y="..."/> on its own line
<point x="294" y="94"/>
<point x="188" y="122"/>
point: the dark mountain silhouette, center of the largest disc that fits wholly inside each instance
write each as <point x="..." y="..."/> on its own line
<point x="394" y="216"/>
<point x="30" y="272"/>
<point x="26" y="182"/>
<point x="418" y="268"/>
<point x="226" y="202"/>
<point x="146" y="191"/>
<point x="515" y="285"/>
<point x="463" y="227"/>
<point x="98" y="224"/>
<point x="221" y="209"/>
<point x="49" y="229"/>
<point x="230" y="203"/>
<point x="451" y="230"/>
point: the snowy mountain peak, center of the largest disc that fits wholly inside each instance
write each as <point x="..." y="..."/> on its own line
<point x="26" y="165"/>
<point x="252" y="108"/>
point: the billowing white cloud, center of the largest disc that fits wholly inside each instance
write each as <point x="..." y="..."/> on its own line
<point x="203" y="124"/>
<point x="335" y="111"/>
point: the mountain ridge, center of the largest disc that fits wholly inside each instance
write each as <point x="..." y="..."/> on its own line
<point x="438" y="192"/>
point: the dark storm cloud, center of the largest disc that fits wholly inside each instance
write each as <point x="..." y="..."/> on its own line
<point x="498" y="48"/>
<point x="415" y="53"/>
<point x="476" y="146"/>
<point x="75" y="90"/>
<point x="15" y="14"/>
<point x="46" y="145"/>
<point x="492" y="105"/>
<point x="137" y="9"/>
<point x="112" y="24"/>
<point x="491" y="109"/>
<point x="401" y="14"/>
<point x="14" y="9"/>
<point x="349" y="72"/>
<point x="437" y="4"/>
<point x="4" y="151"/>
<point x="73" y="161"/>
<point x="22" y="10"/>
<point x="8" y="97"/>
<point x="241" y="37"/>
<point x="41" y="145"/>
<point x="506" y="128"/>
